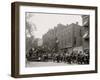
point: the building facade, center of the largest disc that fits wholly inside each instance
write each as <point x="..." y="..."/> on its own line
<point x="63" y="37"/>
<point x="85" y="37"/>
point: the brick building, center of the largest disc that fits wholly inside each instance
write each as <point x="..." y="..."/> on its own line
<point x="63" y="37"/>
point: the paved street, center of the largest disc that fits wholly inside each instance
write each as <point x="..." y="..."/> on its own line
<point x="39" y="64"/>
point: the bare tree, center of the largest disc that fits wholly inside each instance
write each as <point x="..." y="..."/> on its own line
<point x="30" y="28"/>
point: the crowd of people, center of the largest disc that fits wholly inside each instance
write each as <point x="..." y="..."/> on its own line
<point x="75" y="57"/>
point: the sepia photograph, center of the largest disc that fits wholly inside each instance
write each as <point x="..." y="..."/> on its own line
<point x="56" y="39"/>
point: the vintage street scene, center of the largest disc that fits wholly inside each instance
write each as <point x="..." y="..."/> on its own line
<point x="56" y="39"/>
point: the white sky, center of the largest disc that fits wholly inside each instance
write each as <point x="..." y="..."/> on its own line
<point x="44" y="22"/>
